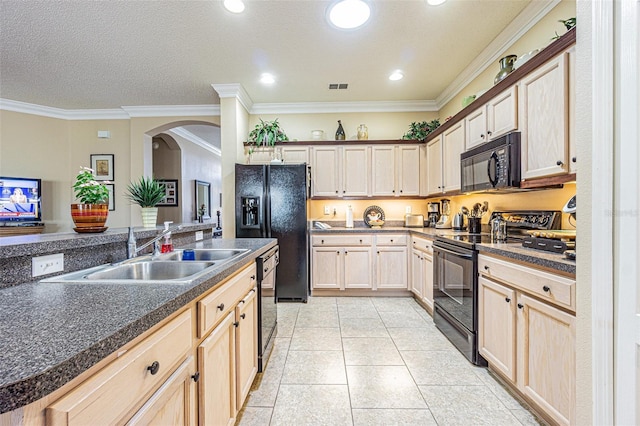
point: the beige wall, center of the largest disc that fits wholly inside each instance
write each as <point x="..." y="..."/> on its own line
<point x="537" y="37"/>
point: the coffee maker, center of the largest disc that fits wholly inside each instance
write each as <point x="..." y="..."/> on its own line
<point x="433" y="214"/>
<point x="445" y="218"/>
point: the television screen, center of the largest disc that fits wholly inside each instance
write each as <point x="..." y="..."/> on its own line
<point x="20" y="199"/>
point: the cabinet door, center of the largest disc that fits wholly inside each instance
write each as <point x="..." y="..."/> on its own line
<point x="543" y="112"/>
<point x="497" y="326"/>
<point x="246" y="345"/>
<point x="217" y="366"/>
<point x="174" y="403"/>
<point x="573" y="166"/>
<point x="324" y="171"/>
<point x="326" y="264"/>
<point x="295" y="154"/>
<point x="355" y="171"/>
<point x="452" y="147"/>
<point x="502" y="113"/>
<point x="417" y="280"/>
<point x="476" y="127"/>
<point x="391" y="268"/>
<point x="546" y="353"/>
<point x="434" y="166"/>
<point x="357" y="267"/>
<point x="383" y="170"/>
<point x="427" y="273"/>
<point x="408" y="170"/>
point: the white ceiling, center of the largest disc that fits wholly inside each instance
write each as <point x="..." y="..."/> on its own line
<point x="108" y="54"/>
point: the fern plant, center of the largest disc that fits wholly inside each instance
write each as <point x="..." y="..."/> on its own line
<point x="146" y="192"/>
<point x="420" y="131"/>
<point x="266" y="133"/>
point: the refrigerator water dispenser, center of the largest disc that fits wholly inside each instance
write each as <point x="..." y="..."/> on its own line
<point x="250" y="213"/>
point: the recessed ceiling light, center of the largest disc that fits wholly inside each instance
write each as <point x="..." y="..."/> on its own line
<point x="435" y="2"/>
<point x="235" y="6"/>
<point x="396" y="75"/>
<point x="267" y="78"/>
<point x="349" y="14"/>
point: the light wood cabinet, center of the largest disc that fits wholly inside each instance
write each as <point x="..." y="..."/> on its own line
<point x="417" y="274"/>
<point x="326" y="269"/>
<point x="391" y="270"/>
<point x="443" y="157"/>
<point x="434" y="166"/>
<point x="294" y="154"/>
<point x="246" y="345"/>
<point x="340" y="171"/>
<point x="383" y="170"/>
<point x="497" y="117"/>
<point x="357" y="267"/>
<point x="531" y="343"/>
<point x="408" y="170"/>
<point x="544" y="119"/>
<point x="422" y="267"/>
<point x="341" y="261"/>
<point x="355" y="171"/>
<point x="573" y="159"/>
<point x="325" y="169"/>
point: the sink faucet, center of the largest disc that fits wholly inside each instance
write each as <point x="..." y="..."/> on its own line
<point x="133" y="249"/>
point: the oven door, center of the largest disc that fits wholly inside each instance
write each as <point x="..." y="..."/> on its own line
<point x="454" y="282"/>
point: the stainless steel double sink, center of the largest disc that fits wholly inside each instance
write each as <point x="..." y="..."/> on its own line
<point x="168" y="268"/>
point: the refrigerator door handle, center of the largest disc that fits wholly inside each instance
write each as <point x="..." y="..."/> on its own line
<point x="266" y="232"/>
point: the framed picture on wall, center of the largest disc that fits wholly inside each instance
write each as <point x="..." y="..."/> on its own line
<point x="112" y="200"/>
<point x="102" y="165"/>
<point x="170" y="192"/>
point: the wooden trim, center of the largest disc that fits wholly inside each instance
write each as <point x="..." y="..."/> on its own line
<point x="548" y="181"/>
<point x="550" y="52"/>
<point x="343" y="143"/>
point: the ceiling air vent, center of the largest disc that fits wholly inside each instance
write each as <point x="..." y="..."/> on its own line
<point x="338" y="86"/>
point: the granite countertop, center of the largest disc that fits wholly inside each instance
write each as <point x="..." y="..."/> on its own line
<point x="52" y="332"/>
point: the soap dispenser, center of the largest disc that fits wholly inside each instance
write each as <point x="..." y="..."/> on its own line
<point x="167" y="245"/>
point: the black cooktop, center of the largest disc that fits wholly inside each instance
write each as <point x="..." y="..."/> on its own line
<point x="467" y="240"/>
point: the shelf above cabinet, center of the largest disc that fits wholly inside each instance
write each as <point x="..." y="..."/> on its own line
<point x="349" y="142"/>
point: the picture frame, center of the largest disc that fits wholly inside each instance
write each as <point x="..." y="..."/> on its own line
<point x="112" y="200"/>
<point x="170" y="192"/>
<point x="102" y="165"/>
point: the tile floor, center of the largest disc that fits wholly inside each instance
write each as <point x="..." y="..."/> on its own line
<point x="372" y="361"/>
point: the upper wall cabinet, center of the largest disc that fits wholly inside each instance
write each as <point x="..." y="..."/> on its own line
<point x="544" y="119"/>
<point x="395" y="170"/>
<point x="494" y="119"/>
<point x="340" y="171"/>
<point x="443" y="160"/>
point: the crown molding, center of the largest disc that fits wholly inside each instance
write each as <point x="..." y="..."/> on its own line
<point x="522" y="23"/>
<point x="185" y="134"/>
<point x="63" y="114"/>
<point x="234" y="90"/>
<point x="172" y="110"/>
<point x="337" y="107"/>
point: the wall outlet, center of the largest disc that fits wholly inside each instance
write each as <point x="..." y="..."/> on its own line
<point x="43" y="265"/>
<point x="407" y="209"/>
<point x="199" y="235"/>
<point x="327" y="210"/>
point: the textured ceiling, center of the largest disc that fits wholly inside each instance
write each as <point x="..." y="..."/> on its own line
<point x="108" y="54"/>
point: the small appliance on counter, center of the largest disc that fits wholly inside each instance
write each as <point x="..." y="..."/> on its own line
<point x="433" y="214"/>
<point x="445" y="218"/>
<point x="458" y="222"/>
<point x="413" y="221"/>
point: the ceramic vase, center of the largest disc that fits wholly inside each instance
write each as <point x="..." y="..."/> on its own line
<point x="506" y="67"/>
<point x="149" y="217"/>
<point x="89" y="218"/>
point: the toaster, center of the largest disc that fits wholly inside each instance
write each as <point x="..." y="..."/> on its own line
<point x="414" y="221"/>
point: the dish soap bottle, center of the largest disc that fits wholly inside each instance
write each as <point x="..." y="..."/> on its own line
<point x="340" y="136"/>
<point x="167" y="245"/>
<point x="349" y="217"/>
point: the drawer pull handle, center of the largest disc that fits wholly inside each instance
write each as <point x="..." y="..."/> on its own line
<point x="337" y="252"/>
<point x="243" y="316"/>
<point x="360" y="241"/>
<point x="378" y="252"/>
<point x="346" y="252"/>
<point x="573" y="159"/>
<point x="253" y="277"/>
<point x="221" y="307"/>
<point x="322" y="242"/>
<point x="236" y="324"/>
<point x="520" y="306"/>
<point x="391" y="240"/>
<point x="154" y="367"/>
<point x="546" y="288"/>
<point x="506" y="299"/>
<point x="486" y="267"/>
<point x="559" y="163"/>
<point x="196" y="376"/>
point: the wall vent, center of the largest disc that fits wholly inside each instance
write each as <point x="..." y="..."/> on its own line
<point x="338" y="86"/>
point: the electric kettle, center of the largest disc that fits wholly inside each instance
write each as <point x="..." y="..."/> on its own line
<point x="458" y="222"/>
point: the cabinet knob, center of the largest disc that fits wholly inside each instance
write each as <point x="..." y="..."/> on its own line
<point x="338" y="252"/>
<point x="378" y="252"/>
<point x="520" y="306"/>
<point x="253" y="277"/>
<point x="506" y="299"/>
<point x="336" y="191"/>
<point x="343" y="191"/>
<point x="154" y="367"/>
<point x="573" y="159"/>
<point x="243" y="316"/>
<point x="559" y="163"/>
<point x="196" y="376"/>
<point x="360" y="241"/>
<point x="221" y="307"/>
<point x="401" y="191"/>
<point x="489" y="132"/>
<point x="321" y="241"/>
<point x="393" y="190"/>
<point x="482" y="136"/>
<point x="486" y="267"/>
<point x="236" y="324"/>
<point x="546" y="288"/>
<point x="346" y="252"/>
<point x="391" y="240"/>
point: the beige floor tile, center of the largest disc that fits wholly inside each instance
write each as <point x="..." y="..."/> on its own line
<point x="370" y="351"/>
<point x="325" y="316"/>
<point x="407" y="319"/>
<point x="288" y="309"/>
<point x="263" y="392"/>
<point x="393" y="304"/>
<point x="363" y="327"/>
<point x="446" y="416"/>
<point x="392" y="416"/>
<point x="527" y="418"/>
<point x="316" y="339"/>
<point x="319" y="301"/>
<point x="440" y="368"/>
<point x="355" y="300"/>
<point x="255" y="416"/>
<point x="461" y="398"/>
<point x="298" y="405"/>
<point x="419" y="339"/>
<point x="315" y="368"/>
<point x="383" y="387"/>
<point x="357" y="311"/>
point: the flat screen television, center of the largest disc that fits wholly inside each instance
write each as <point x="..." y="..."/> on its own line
<point x="20" y="199"/>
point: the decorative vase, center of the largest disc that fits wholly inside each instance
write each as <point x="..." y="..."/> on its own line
<point x="506" y="67"/>
<point x="89" y="218"/>
<point x="340" y="136"/>
<point x="363" y="133"/>
<point x="149" y="217"/>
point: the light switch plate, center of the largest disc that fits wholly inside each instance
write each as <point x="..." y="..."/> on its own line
<point x="407" y="209"/>
<point x="43" y="265"/>
<point x="199" y="235"/>
<point x="327" y="210"/>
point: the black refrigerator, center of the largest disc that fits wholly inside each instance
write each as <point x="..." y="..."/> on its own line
<point x="271" y="202"/>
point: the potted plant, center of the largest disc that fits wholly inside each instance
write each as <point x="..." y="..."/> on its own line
<point x="91" y="213"/>
<point x="147" y="193"/>
<point x="420" y="131"/>
<point x="267" y="133"/>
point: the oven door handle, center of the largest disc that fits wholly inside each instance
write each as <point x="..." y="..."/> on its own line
<point x="455" y="253"/>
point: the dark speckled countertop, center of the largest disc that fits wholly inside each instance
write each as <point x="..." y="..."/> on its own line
<point x="52" y="332"/>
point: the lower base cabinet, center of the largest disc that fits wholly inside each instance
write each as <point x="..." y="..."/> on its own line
<point x="422" y="270"/>
<point x="526" y="337"/>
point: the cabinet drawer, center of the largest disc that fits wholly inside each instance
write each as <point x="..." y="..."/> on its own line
<point x="214" y="307"/>
<point x="391" y="240"/>
<point x="117" y="390"/>
<point x="342" y="240"/>
<point x="422" y="244"/>
<point x="549" y="287"/>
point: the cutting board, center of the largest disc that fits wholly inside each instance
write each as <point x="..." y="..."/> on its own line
<point x="557" y="234"/>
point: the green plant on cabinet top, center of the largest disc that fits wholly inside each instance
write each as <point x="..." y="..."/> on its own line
<point x="266" y="133"/>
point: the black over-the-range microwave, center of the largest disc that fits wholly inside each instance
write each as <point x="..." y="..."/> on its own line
<point x="492" y="165"/>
